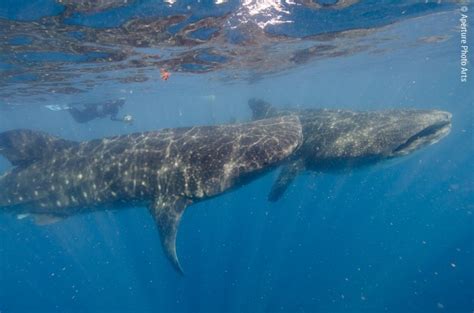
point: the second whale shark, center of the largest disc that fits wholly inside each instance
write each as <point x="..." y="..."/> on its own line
<point x="338" y="140"/>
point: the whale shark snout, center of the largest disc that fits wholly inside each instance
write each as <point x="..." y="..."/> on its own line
<point x="435" y="126"/>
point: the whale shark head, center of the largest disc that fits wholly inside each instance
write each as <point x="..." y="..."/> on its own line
<point x="341" y="139"/>
<point x="417" y="129"/>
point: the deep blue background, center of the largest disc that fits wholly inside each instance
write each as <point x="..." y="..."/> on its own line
<point x="393" y="238"/>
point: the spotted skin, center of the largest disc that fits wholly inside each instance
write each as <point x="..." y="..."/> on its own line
<point x="166" y="170"/>
<point x="341" y="140"/>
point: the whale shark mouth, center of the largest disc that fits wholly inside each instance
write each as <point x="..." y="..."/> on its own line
<point x="427" y="136"/>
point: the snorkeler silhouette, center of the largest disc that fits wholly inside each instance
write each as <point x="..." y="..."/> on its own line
<point x="91" y="111"/>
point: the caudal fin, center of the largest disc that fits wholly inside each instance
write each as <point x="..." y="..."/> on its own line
<point x="22" y="146"/>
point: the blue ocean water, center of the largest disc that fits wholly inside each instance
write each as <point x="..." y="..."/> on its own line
<point x="389" y="238"/>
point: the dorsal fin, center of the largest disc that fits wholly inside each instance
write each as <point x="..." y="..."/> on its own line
<point x="261" y="109"/>
<point x="22" y="146"/>
<point x="167" y="212"/>
<point x="285" y="178"/>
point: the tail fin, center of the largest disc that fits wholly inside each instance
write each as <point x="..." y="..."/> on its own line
<point x="261" y="109"/>
<point x="22" y="146"/>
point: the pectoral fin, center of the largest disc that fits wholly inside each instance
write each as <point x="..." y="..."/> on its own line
<point x="41" y="219"/>
<point x="167" y="213"/>
<point x="46" y="219"/>
<point x="286" y="177"/>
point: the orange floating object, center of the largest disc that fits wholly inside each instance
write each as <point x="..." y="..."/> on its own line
<point x="164" y="74"/>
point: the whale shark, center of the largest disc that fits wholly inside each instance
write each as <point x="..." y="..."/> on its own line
<point x="166" y="170"/>
<point x="342" y="140"/>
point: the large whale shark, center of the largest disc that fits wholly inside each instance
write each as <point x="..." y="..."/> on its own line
<point x="166" y="170"/>
<point x="338" y="140"/>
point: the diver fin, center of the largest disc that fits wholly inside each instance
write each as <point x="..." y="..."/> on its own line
<point x="261" y="109"/>
<point x="286" y="177"/>
<point x="167" y="213"/>
<point x="23" y="146"/>
<point x="45" y="219"/>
